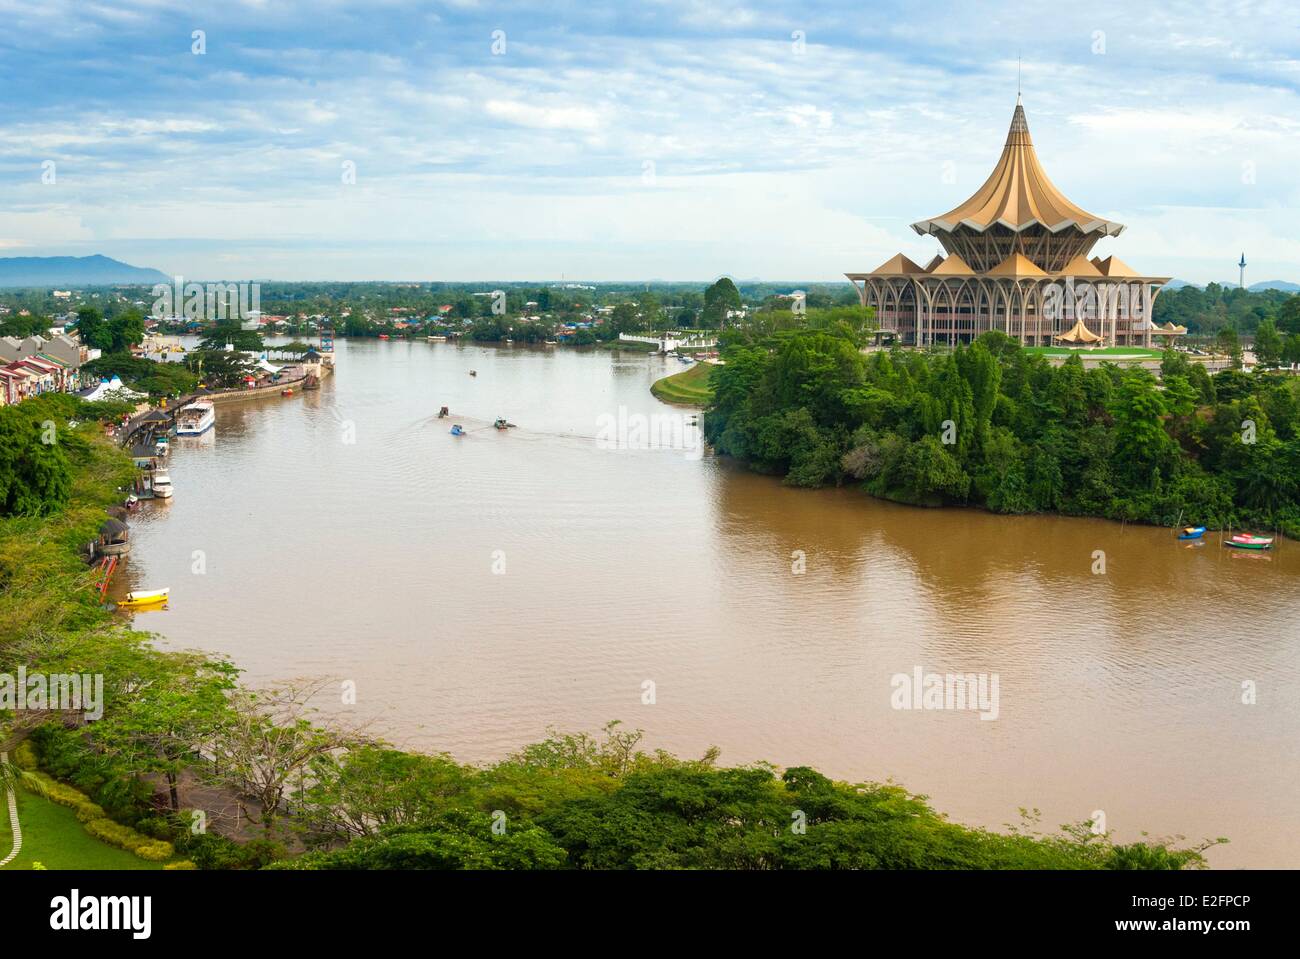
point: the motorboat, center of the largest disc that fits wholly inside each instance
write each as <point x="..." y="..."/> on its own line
<point x="1249" y="541"/>
<point x="141" y="598"/>
<point x="162" y="485"/>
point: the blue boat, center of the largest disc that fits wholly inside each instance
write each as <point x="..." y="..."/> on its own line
<point x="457" y="431"/>
<point x="1192" y="532"/>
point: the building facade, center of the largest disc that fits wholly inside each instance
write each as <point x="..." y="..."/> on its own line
<point x="1015" y="259"/>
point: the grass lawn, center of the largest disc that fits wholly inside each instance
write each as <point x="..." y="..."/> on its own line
<point x="1102" y="351"/>
<point x="53" y="837"/>
<point x="690" y="387"/>
<point x="630" y="346"/>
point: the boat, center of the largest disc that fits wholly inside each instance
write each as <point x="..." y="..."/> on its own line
<point x="473" y="372"/>
<point x="195" y="418"/>
<point x="383" y="336"/>
<point x="140" y="598"/>
<point x="1249" y="541"/>
<point x="437" y="339"/>
<point x="457" y="430"/>
<point x="1191" y="532"/>
<point x="162" y="485"/>
<point x="501" y="423"/>
<point x="444" y="412"/>
<point x="287" y="391"/>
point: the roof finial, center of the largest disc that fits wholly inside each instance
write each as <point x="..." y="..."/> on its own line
<point x="1017" y="79"/>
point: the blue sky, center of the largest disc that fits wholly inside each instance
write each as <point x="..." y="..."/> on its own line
<point x="662" y="139"/>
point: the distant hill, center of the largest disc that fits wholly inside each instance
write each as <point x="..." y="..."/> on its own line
<point x="1284" y="285"/>
<point x="74" y="271"/>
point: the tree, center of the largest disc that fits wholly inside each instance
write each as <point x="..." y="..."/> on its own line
<point x="93" y="330"/>
<point x="1268" y="345"/>
<point x="1141" y="441"/>
<point x="125" y="331"/>
<point x="178" y="709"/>
<point x="1288" y="314"/>
<point x="249" y="341"/>
<point x="720" y="298"/>
<point x="371" y="788"/>
<point x="625" y="319"/>
<point x="1291" y="350"/>
<point x="35" y="474"/>
<point x="219" y="368"/>
<point x="1227" y="342"/>
<point x="271" y="743"/>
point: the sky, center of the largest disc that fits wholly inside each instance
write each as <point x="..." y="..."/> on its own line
<point x="656" y="139"/>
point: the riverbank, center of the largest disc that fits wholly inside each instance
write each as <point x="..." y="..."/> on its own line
<point x="690" y="387"/>
<point x="548" y="789"/>
<point x="998" y="426"/>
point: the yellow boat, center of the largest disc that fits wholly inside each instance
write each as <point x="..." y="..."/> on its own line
<point x="141" y="598"/>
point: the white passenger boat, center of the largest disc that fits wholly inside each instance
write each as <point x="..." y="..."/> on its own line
<point x="195" y="419"/>
<point x="162" y="484"/>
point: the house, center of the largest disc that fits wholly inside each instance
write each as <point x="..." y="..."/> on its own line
<point x="10" y="383"/>
<point x="21" y="382"/>
<point x="63" y="348"/>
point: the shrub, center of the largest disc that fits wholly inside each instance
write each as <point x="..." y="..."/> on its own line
<point x="25" y="756"/>
<point x="63" y="794"/>
<point x="124" y="837"/>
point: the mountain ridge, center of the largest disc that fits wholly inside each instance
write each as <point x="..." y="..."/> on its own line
<point x="74" y="271"/>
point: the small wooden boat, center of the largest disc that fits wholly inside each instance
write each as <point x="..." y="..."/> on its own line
<point x="444" y="412"/>
<point x="1191" y="532"/>
<point x="473" y="372"/>
<point x="501" y="423"/>
<point x="457" y="430"/>
<point x="1249" y="541"/>
<point x="140" y="598"/>
<point x="383" y="336"/>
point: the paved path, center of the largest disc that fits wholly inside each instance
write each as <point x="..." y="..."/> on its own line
<point x="13" y="819"/>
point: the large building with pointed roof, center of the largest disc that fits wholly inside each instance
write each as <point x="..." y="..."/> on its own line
<point x="1015" y="259"/>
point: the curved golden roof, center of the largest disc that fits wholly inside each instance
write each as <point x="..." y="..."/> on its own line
<point x="1018" y="195"/>
<point x="1079" y="333"/>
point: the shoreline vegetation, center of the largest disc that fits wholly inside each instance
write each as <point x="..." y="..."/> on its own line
<point x="179" y="733"/>
<point x="690" y="387"/>
<point x="997" y="426"/>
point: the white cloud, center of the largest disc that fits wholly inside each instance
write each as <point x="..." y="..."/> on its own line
<point x="543" y="117"/>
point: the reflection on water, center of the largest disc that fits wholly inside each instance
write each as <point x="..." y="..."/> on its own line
<point x="481" y="588"/>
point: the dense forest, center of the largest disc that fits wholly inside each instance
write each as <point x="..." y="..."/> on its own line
<point x="1206" y="311"/>
<point x="996" y="426"/>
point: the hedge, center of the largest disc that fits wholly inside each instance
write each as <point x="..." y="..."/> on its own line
<point x="96" y="823"/>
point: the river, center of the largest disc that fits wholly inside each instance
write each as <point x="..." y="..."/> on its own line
<point x="482" y="588"/>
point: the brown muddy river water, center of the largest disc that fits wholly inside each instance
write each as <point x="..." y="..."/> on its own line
<point x="479" y="589"/>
